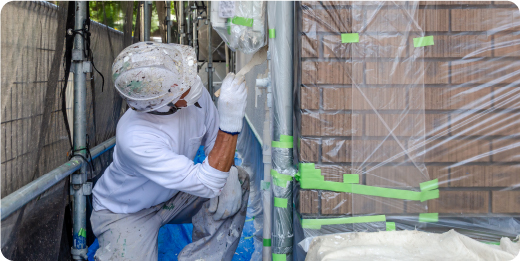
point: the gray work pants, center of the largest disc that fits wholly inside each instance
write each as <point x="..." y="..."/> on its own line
<point x="134" y="236"/>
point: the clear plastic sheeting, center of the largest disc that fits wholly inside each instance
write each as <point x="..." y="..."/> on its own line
<point x="408" y="118"/>
<point x="250" y="151"/>
<point x="241" y="24"/>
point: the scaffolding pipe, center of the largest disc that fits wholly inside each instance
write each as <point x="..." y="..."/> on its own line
<point x="168" y="22"/>
<point x="209" y="69"/>
<point x="180" y="22"/>
<point x="195" y="31"/>
<point x="187" y="14"/>
<point x="79" y="216"/>
<point x="147" y="19"/>
<point x="281" y="19"/>
<point x="25" y="194"/>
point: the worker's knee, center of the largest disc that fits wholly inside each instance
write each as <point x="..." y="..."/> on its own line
<point x="243" y="176"/>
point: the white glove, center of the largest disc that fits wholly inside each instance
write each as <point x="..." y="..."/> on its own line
<point x="230" y="199"/>
<point x="232" y="103"/>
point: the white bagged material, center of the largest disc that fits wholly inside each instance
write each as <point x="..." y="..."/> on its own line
<point x="407" y="246"/>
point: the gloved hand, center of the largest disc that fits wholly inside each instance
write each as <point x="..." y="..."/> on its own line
<point x="232" y="103"/>
<point x="230" y="199"/>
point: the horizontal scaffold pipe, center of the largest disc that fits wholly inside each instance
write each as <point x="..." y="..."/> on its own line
<point x="22" y="196"/>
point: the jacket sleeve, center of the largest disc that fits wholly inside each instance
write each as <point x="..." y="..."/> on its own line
<point x="148" y="155"/>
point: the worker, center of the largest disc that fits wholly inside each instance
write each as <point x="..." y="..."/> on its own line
<point x="153" y="180"/>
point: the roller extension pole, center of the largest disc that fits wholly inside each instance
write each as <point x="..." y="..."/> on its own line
<point x="147" y="19"/>
<point x="209" y="69"/>
<point x="168" y="22"/>
<point x="281" y="20"/>
<point x="79" y="188"/>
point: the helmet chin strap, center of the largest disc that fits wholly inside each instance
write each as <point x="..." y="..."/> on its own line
<point x="173" y="109"/>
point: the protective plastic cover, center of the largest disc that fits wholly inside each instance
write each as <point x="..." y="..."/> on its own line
<point x="418" y="103"/>
<point x="242" y="29"/>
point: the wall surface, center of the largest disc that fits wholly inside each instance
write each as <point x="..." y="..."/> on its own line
<point x="399" y="115"/>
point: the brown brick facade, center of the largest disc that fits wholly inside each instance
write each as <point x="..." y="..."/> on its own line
<point x="400" y="115"/>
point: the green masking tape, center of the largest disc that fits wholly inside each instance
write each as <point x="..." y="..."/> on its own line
<point x="242" y="21"/>
<point x="429" y="185"/>
<point x="429" y="217"/>
<point x="350" y="38"/>
<point x="228" y="26"/>
<point x="423" y="41"/>
<point x="390" y="226"/>
<point x="267" y="242"/>
<point x="317" y="223"/>
<point x="311" y="178"/>
<point x="272" y="33"/>
<point x="350" y="178"/>
<point x="279" y="257"/>
<point x="286" y="142"/>
<point x="281" y="144"/>
<point x="280" y="202"/>
<point x="280" y="180"/>
<point x="82" y="233"/>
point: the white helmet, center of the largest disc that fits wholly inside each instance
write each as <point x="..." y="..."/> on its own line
<point x="150" y="75"/>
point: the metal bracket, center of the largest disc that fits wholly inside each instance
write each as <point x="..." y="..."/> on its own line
<point x="87" y="67"/>
<point x="77" y="55"/>
<point x="87" y="188"/>
<point x="212" y="69"/>
<point x="78" y="178"/>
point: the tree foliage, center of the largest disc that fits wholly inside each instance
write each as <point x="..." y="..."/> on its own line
<point x="115" y="17"/>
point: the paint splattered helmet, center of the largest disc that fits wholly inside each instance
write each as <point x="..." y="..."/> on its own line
<point x="150" y="75"/>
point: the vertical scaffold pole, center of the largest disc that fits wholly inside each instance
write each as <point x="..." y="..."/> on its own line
<point x="79" y="248"/>
<point x="147" y="19"/>
<point x="210" y="52"/>
<point x="168" y="22"/>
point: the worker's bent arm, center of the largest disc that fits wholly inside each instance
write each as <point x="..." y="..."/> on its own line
<point x="223" y="153"/>
<point x="149" y="155"/>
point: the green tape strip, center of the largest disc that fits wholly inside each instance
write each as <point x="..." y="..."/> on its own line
<point x="429" y="217"/>
<point x="390" y="226"/>
<point x="228" y="26"/>
<point x="423" y="41"/>
<point x="310" y="183"/>
<point x="82" y="233"/>
<point x="267" y="242"/>
<point x="310" y="178"/>
<point x="280" y="202"/>
<point x="272" y="33"/>
<point x="280" y="180"/>
<point x="286" y="138"/>
<point x="280" y="144"/>
<point x="242" y="21"/>
<point x="265" y="185"/>
<point x="350" y="38"/>
<point x="279" y="257"/>
<point x="429" y="185"/>
<point x="491" y="243"/>
<point x="350" y="178"/>
<point x="286" y="142"/>
<point x="317" y="223"/>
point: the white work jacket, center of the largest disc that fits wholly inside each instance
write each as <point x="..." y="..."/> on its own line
<point x="153" y="159"/>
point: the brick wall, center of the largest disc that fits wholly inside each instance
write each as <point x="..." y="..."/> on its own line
<point x="400" y="115"/>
